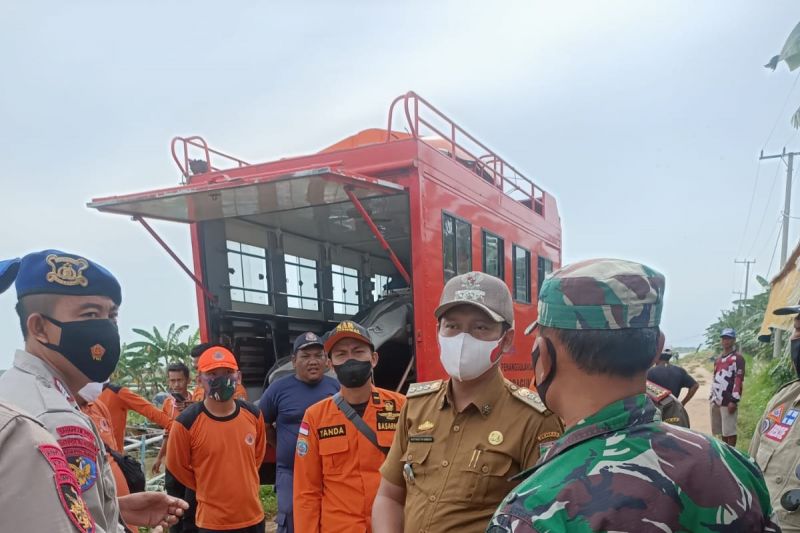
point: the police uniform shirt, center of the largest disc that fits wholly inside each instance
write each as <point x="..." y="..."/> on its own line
<point x="671" y="409"/>
<point x="776" y="448"/>
<point x="34" y="386"/>
<point x="40" y="492"/>
<point x="455" y="466"/>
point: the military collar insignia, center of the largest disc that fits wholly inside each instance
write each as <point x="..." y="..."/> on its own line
<point x="67" y="271"/>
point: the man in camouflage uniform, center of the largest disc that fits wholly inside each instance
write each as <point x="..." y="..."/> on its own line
<point x="618" y="467"/>
<point x="775" y="444"/>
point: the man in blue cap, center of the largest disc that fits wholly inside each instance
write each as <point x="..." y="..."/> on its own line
<point x="726" y="390"/>
<point x="283" y="404"/>
<point x="67" y="306"/>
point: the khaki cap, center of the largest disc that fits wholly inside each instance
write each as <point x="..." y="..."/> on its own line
<point x="488" y="293"/>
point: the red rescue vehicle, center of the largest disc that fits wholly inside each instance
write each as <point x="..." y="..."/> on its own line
<point x="371" y="228"/>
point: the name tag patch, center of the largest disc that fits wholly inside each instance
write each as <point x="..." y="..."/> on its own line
<point x="420" y="438"/>
<point x="778" y="432"/>
<point x="387" y="421"/>
<point x="331" y="431"/>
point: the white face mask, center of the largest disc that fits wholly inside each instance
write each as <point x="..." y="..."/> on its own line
<point x="464" y="357"/>
<point x="91" y="391"/>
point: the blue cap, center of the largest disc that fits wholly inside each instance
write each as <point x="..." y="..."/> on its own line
<point x="728" y="332"/>
<point x="306" y="339"/>
<point x="57" y="272"/>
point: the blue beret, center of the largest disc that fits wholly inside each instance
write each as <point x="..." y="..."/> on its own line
<point x="57" y="272"/>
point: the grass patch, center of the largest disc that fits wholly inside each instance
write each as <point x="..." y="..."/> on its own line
<point x="269" y="500"/>
<point x="763" y="379"/>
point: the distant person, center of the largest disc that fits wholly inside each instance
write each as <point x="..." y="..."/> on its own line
<point x="283" y="405"/>
<point x="199" y="392"/>
<point x="617" y="467"/>
<point x="343" y="440"/>
<point x="216" y="448"/>
<point x="726" y="389"/>
<point x="674" y="378"/>
<point x="119" y="400"/>
<point x="672" y="411"/>
<point x="178" y="398"/>
<point x="774" y="444"/>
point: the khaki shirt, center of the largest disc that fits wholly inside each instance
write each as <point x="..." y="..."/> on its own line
<point x="672" y="410"/>
<point x="455" y="466"/>
<point x="40" y="491"/>
<point x="35" y="387"/>
<point x="776" y="448"/>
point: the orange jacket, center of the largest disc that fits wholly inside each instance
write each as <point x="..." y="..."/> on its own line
<point x="336" y="468"/>
<point x="119" y="400"/>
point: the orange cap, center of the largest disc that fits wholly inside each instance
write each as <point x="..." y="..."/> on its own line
<point x="216" y="357"/>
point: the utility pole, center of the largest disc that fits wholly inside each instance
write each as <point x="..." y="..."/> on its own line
<point x="787" y="208"/>
<point x="746" y="263"/>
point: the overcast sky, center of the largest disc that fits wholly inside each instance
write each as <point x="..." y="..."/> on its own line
<point x="643" y="119"/>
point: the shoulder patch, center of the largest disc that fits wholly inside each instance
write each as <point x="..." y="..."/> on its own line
<point x="189" y="415"/>
<point x="244" y="404"/>
<point x="421" y="389"/>
<point x="529" y="398"/>
<point x="656" y="392"/>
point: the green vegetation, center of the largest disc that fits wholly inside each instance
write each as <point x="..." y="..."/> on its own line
<point x="269" y="500"/>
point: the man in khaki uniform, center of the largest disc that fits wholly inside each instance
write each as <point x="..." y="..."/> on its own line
<point x="672" y="410"/>
<point x="41" y="491"/>
<point x="775" y="446"/>
<point x="67" y="307"/>
<point x="458" y="441"/>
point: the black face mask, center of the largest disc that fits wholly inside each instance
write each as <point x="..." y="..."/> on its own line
<point x="93" y="346"/>
<point x="543" y="387"/>
<point x="795" y="353"/>
<point x="353" y="373"/>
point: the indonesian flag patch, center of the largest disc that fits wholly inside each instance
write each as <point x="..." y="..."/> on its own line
<point x="304" y="428"/>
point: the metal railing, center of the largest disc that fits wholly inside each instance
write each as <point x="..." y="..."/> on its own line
<point x="488" y="166"/>
<point x="198" y="142"/>
<point x="141" y="444"/>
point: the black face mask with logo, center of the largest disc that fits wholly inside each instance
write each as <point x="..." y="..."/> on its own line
<point x="352" y="373"/>
<point x="93" y="346"/>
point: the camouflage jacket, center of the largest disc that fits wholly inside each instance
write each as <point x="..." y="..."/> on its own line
<point x="621" y="469"/>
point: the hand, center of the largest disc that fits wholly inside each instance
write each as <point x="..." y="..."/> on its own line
<point x="156" y="468"/>
<point x="732" y="407"/>
<point x="180" y="406"/>
<point x="151" y="509"/>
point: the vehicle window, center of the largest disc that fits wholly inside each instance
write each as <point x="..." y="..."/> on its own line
<point x="544" y="267"/>
<point x="301" y="283"/>
<point x="247" y="273"/>
<point x="493" y="254"/>
<point x="345" y="290"/>
<point x="379" y="282"/>
<point x="457" y="246"/>
<point x="522" y="274"/>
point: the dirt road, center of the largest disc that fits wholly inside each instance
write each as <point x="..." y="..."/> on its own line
<point x="698" y="408"/>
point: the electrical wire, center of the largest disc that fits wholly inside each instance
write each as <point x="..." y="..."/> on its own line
<point x="750" y="208"/>
<point x="766" y="208"/>
<point x="780" y="113"/>
<point x="777" y="240"/>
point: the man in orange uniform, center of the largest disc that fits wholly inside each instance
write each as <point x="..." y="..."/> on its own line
<point x="199" y="393"/>
<point x="343" y="441"/>
<point x="119" y="400"/>
<point x="215" y="448"/>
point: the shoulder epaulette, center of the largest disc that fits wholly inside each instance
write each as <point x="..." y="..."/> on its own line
<point x="657" y="393"/>
<point x="527" y="396"/>
<point x="421" y="389"/>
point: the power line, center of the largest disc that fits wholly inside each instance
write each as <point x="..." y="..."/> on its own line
<point x="780" y="113"/>
<point x="774" y="250"/>
<point x="750" y="208"/>
<point x="766" y="209"/>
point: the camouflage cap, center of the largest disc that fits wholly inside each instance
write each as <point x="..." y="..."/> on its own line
<point x="601" y="294"/>
<point x="484" y="291"/>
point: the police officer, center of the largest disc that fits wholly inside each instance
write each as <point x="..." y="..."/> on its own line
<point x="617" y="468"/>
<point x="672" y="411"/>
<point x="774" y="446"/>
<point x="458" y="441"/>
<point x="343" y="440"/>
<point x="67" y="306"/>
<point x="45" y="494"/>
